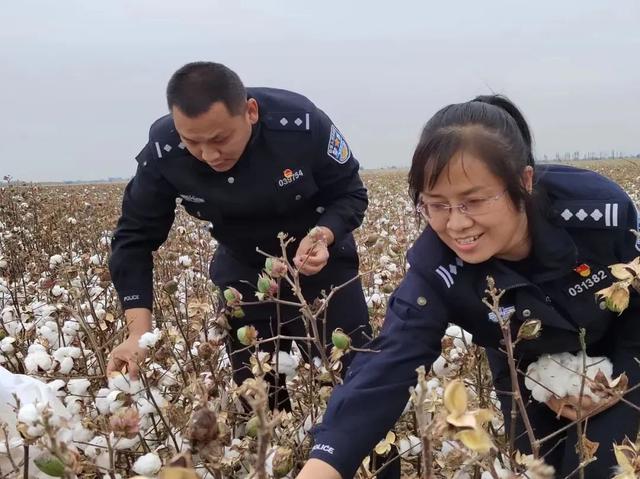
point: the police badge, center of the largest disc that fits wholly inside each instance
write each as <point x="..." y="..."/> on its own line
<point x="337" y="147"/>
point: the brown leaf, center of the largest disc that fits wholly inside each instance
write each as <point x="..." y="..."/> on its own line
<point x="589" y="447"/>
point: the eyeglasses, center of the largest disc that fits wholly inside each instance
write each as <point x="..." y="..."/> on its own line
<point x="439" y="212"/>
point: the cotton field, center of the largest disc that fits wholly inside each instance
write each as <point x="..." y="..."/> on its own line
<point x="59" y="318"/>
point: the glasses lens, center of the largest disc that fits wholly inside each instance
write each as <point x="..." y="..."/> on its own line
<point x="437" y="211"/>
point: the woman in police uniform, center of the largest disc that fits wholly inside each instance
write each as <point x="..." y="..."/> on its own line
<point x="535" y="231"/>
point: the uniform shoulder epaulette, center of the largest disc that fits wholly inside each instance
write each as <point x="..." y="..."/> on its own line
<point x="164" y="141"/>
<point x="283" y="109"/>
<point x="288" y="120"/>
<point x="584" y="199"/>
<point x="592" y="213"/>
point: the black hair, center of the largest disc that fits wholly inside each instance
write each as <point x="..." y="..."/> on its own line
<point x="492" y="127"/>
<point x="198" y="85"/>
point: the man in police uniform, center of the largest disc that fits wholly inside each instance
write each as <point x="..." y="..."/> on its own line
<point x="253" y="162"/>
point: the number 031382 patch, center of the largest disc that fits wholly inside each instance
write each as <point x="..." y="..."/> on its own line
<point x="337" y="147"/>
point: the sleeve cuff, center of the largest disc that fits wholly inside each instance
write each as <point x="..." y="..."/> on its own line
<point x="336" y="450"/>
<point x="335" y="224"/>
<point x="136" y="299"/>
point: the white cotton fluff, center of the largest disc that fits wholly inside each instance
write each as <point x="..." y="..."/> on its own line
<point x="71" y="220"/>
<point x="184" y="261"/>
<point x="122" y="382"/>
<point x="560" y="373"/>
<point x="65" y="356"/>
<point x="287" y="364"/>
<point x="95" y="260"/>
<point x="149" y="339"/>
<point x="461" y="338"/>
<point x="442" y="367"/>
<point x="55" y="260"/>
<point x="37" y="358"/>
<point x="409" y="446"/>
<point x="78" y="387"/>
<point x="6" y="345"/>
<point x="57" y="291"/>
<point x="148" y="465"/>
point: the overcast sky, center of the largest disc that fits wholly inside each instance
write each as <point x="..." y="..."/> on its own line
<point x="82" y="80"/>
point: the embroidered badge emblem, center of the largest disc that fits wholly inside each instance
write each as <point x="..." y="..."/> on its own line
<point x="338" y="149"/>
<point x="504" y="312"/>
<point x="583" y="270"/>
<point x="192" y="199"/>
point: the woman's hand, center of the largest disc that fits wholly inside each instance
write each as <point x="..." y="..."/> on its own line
<point x="317" y="469"/>
<point x="569" y="406"/>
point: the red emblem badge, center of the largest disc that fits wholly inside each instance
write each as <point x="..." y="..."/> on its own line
<point x="583" y="270"/>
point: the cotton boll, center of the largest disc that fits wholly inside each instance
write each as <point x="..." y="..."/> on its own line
<point x="94" y="446"/>
<point x="461" y="338"/>
<point x="287" y="364"/>
<point x="103" y="401"/>
<point x="6" y="345"/>
<point x="78" y="387"/>
<point x="28" y="414"/>
<point x="184" y="261"/>
<point x="57" y="291"/>
<point x="122" y="382"/>
<point x="123" y="443"/>
<point x="148" y="465"/>
<point x="561" y="373"/>
<point x="38" y="360"/>
<point x="145" y="406"/>
<point x="443" y="368"/>
<point x="55" y="260"/>
<point x="66" y="365"/>
<point x="149" y="339"/>
<point x="74" y="406"/>
<point x="56" y="385"/>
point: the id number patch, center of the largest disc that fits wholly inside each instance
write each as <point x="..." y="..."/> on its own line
<point x="587" y="283"/>
<point x="289" y="176"/>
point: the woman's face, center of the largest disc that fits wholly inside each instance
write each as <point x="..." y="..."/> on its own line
<point x="492" y="225"/>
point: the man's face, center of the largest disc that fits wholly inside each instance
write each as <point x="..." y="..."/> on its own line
<point x="217" y="137"/>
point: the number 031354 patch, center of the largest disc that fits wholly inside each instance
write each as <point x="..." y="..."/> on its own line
<point x="598" y="278"/>
<point x="337" y="147"/>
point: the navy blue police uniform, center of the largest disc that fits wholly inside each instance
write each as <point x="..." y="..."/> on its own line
<point x="297" y="171"/>
<point x="582" y="219"/>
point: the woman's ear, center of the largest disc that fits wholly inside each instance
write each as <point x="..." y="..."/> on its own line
<point x="527" y="178"/>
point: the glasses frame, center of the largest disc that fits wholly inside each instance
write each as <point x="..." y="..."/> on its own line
<point x="461" y="207"/>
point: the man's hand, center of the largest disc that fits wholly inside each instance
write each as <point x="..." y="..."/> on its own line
<point x="127" y="354"/>
<point x="312" y="254"/>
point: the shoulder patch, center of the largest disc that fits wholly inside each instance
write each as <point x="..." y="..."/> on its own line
<point x="448" y="272"/>
<point x="288" y="121"/>
<point x="591" y="213"/>
<point x="338" y="149"/>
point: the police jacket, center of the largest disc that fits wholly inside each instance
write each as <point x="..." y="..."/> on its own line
<point x="582" y="219"/>
<point x="296" y="172"/>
